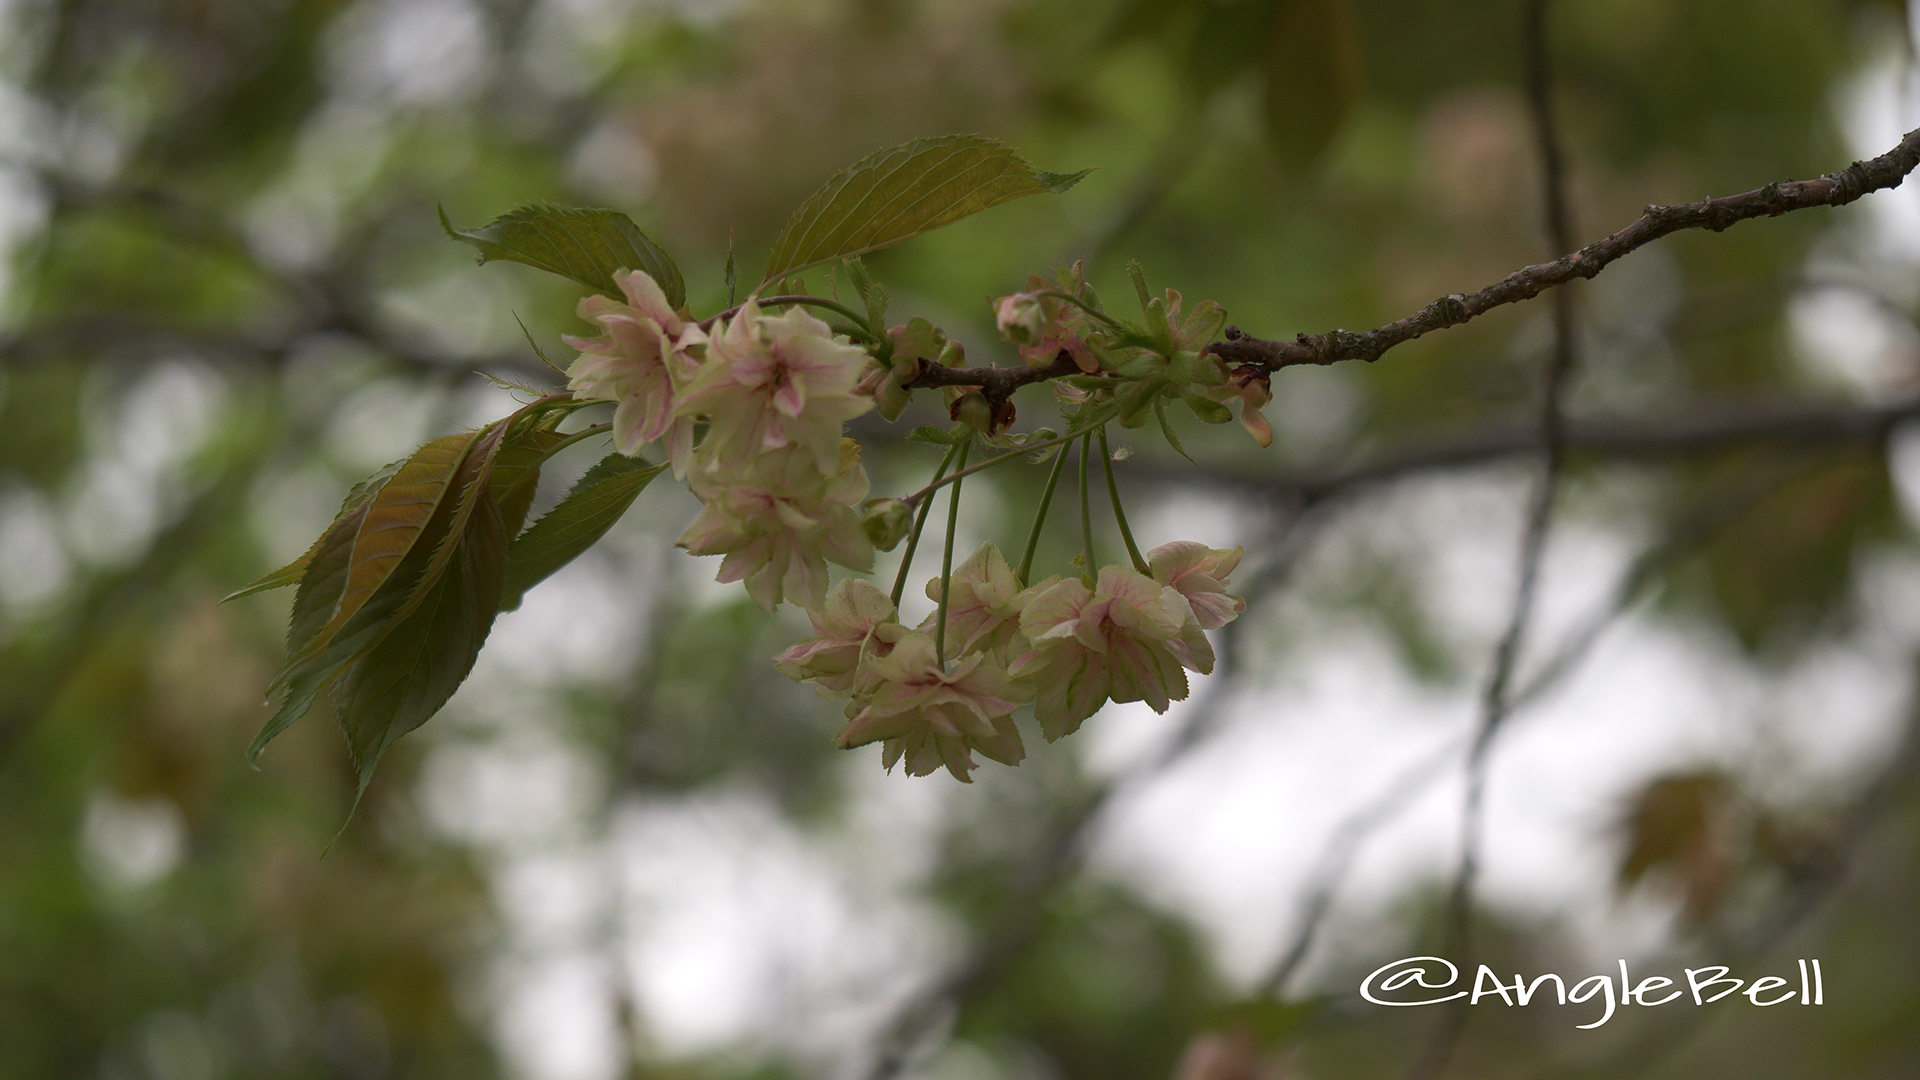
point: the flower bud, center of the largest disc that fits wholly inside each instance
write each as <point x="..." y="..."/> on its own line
<point x="886" y="522"/>
<point x="972" y="409"/>
<point x="1021" y="318"/>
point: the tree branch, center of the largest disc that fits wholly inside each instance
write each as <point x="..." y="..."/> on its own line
<point x="1785" y="196"/>
<point x="1496" y="699"/>
<point x="997" y="383"/>
<point x="1705" y="427"/>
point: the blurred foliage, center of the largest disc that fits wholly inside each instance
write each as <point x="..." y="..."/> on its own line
<point x="226" y="298"/>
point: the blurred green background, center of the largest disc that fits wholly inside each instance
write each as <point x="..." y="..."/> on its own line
<point x="629" y="849"/>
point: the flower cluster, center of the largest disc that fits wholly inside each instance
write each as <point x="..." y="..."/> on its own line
<point x="752" y="410"/>
<point x="779" y="485"/>
<point x="1066" y="647"/>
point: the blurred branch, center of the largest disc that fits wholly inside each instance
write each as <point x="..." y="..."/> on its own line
<point x="1706" y="519"/>
<point x="1781" y="197"/>
<point x="1496" y="703"/>
<point x="329" y="299"/>
<point x="1703" y="427"/>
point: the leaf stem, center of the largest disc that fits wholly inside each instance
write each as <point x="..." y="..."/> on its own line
<point x="939" y="482"/>
<point x="946" y="565"/>
<point x="919" y="522"/>
<point x="859" y="321"/>
<point x="1082" y="305"/>
<point x="1086" y="513"/>
<point x="1120" y="515"/>
<point x="1040" y="516"/>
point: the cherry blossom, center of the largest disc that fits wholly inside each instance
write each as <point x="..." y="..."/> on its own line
<point x="639" y="358"/>
<point x="983" y="605"/>
<point x="856" y="625"/>
<point x="1199" y="573"/>
<point x="931" y="716"/>
<point x="1040" y="325"/>
<point x="778" y="519"/>
<point x="770" y="382"/>
<point x="1115" y="641"/>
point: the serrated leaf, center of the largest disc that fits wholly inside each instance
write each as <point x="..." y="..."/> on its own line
<point x="295" y="571"/>
<point x="1139" y="275"/>
<point x="427" y="651"/>
<point x="858" y="276"/>
<point x="299" y="699"/>
<point x="516" y="473"/>
<point x="1132" y="400"/>
<point x="428" y="623"/>
<point x="395" y="519"/>
<point x="289" y="574"/>
<point x="1166" y="428"/>
<point x="582" y="518"/>
<point x="313" y="605"/>
<point x="587" y="244"/>
<point x="901" y="192"/>
<point x="1090" y="416"/>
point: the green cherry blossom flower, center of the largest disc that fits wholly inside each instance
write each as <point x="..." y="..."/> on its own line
<point x="930" y="716"/>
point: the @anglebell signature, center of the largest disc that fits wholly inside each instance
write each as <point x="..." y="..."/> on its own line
<point x="1413" y="981"/>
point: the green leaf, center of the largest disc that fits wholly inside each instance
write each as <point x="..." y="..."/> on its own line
<point x="580" y="519"/>
<point x="899" y="193"/>
<point x="516" y="473"/>
<point x="588" y="245"/>
<point x="1139" y="275"/>
<point x="313" y="605"/>
<point x="395" y="519"/>
<point x="289" y="574"/>
<point x="857" y="275"/>
<point x="423" y="631"/>
<point x="1166" y="428"/>
<point x="491" y="477"/>
<point x="295" y="571"/>
<point x="1090" y="416"/>
<point x="919" y="340"/>
<point x="1134" y="397"/>
<point x="428" y="649"/>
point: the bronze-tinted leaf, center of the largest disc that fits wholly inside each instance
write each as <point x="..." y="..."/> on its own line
<point x="295" y="571"/>
<point x="1682" y="823"/>
<point x="516" y="472"/>
<point x="428" y="649"/>
<point x="395" y="519"/>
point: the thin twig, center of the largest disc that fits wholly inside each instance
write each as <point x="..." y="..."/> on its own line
<point x="1781" y="197"/>
<point x="1496" y="698"/>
